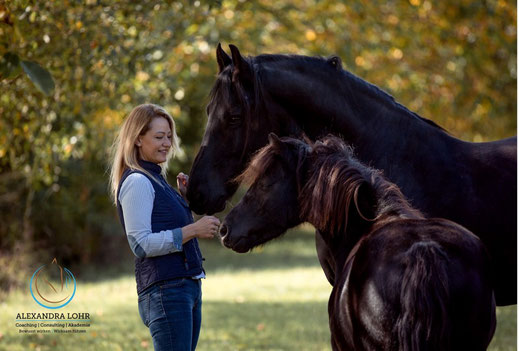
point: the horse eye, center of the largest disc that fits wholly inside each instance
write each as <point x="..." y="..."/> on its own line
<point x="235" y="120"/>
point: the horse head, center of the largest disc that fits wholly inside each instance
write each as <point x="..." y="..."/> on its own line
<point x="233" y="132"/>
<point x="270" y="206"/>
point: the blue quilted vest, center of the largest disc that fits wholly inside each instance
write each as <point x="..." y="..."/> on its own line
<point x="170" y="211"/>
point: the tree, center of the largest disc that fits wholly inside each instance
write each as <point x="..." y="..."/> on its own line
<point x="454" y="63"/>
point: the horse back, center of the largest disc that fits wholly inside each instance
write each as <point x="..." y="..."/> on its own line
<point x="390" y="286"/>
<point x="493" y="169"/>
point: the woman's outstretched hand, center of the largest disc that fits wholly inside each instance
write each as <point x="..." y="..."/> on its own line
<point x="205" y="228"/>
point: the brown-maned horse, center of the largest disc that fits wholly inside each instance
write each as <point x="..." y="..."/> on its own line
<point x="401" y="281"/>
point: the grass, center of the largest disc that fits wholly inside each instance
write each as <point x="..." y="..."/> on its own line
<point x="274" y="298"/>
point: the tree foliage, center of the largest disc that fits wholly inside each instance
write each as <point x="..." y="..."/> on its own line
<point x="71" y="70"/>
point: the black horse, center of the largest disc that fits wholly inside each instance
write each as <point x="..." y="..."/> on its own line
<point x="473" y="184"/>
<point x="401" y="282"/>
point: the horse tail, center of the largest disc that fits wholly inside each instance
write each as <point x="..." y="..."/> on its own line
<point x="423" y="320"/>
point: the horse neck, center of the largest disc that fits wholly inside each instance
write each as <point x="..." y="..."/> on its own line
<point x="340" y="234"/>
<point x="359" y="112"/>
<point x="391" y="206"/>
<point x="321" y="204"/>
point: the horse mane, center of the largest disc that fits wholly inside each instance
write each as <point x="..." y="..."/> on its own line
<point x="334" y="179"/>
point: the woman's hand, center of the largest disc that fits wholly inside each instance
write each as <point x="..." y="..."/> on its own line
<point x="205" y="228"/>
<point x="182" y="182"/>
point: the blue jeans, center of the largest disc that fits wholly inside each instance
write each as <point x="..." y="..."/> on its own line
<point x="172" y="310"/>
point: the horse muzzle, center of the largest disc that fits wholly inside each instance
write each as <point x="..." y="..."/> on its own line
<point x="202" y="205"/>
<point x="239" y="245"/>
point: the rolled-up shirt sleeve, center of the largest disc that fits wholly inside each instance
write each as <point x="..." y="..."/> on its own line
<point x="136" y="197"/>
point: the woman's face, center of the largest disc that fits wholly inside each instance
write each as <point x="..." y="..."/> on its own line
<point x="155" y="144"/>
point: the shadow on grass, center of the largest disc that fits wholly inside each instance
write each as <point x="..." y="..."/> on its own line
<point x="97" y="273"/>
<point x="294" y="249"/>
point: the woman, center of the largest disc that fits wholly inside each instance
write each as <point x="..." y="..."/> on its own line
<point x="160" y="228"/>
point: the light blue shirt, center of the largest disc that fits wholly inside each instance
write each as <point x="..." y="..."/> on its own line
<point x="136" y="197"/>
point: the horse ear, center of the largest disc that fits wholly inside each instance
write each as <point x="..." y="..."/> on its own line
<point x="274" y="140"/>
<point x="222" y="58"/>
<point x="242" y="70"/>
<point x="307" y="140"/>
<point x="335" y="62"/>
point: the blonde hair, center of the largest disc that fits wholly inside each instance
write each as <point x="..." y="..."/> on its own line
<point x="125" y="153"/>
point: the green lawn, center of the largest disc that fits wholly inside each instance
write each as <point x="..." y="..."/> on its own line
<point x="274" y="298"/>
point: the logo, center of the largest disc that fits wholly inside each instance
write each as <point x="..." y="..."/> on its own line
<point x="52" y="286"/>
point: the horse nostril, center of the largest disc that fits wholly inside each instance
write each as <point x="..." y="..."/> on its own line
<point x="223" y="230"/>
